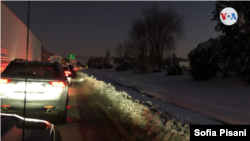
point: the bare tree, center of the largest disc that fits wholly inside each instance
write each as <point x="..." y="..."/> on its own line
<point x="156" y="33"/>
<point x="108" y="60"/>
<point x="119" y="50"/>
<point x="107" y="52"/>
<point x="138" y="44"/>
<point x="126" y="50"/>
<point x="122" y="50"/>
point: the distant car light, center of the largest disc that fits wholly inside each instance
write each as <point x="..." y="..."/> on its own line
<point x="4" y="81"/>
<point x="57" y="83"/>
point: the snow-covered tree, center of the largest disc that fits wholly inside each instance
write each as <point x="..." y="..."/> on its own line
<point x="235" y="47"/>
<point x="202" y="65"/>
<point x="243" y="21"/>
<point x="127" y="64"/>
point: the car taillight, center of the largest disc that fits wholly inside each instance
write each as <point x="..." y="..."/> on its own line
<point x="5" y="105"/>
<point x="57" y="83"/>
<point x="67" y="73"/>
<point x="4" y="81"/>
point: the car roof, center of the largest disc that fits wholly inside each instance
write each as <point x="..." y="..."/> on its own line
<point x="36" y="62"/>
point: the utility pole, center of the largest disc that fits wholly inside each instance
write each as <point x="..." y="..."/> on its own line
<point x="27" y="51"/>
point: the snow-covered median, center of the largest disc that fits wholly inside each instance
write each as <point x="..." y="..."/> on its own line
<point x="141" y="121"/>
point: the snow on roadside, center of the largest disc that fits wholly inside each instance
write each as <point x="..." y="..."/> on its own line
<point x="180" y="114"/>
<point x="141" y="120"/>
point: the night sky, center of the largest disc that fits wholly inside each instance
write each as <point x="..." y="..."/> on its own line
<point x="86" y="28"/>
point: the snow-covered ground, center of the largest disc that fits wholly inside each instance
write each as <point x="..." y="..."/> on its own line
<point x="204" y="102"/>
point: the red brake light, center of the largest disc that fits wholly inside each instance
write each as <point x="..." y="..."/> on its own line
<point x="57" y="83"/>
<point x="4" y="81"/>
<point x="5" y="105"/>
<point x="67" y="73"/>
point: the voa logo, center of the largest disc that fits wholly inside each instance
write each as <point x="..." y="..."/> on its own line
<point x="228" y="16"/>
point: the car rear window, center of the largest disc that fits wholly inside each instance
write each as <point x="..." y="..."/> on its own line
<point x="36" y="70"/>
<point x="71" y="68"/>
<point x="65" y="68"/>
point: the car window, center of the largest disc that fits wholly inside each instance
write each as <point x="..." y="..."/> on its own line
<point x="37" y="70"/>
<point x="71" y="68"/>
<point x="65" y="68"/>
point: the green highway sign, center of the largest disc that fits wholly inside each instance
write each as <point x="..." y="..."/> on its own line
<point x="71" y="56"/>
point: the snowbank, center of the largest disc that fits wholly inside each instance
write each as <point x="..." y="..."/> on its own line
<point x="141" y="115"/>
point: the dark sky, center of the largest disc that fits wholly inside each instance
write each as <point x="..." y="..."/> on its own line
<point x="87" y="28"/>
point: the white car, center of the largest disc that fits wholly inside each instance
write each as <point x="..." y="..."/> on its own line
<point x="46" y="88"/>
